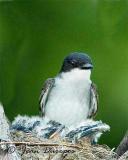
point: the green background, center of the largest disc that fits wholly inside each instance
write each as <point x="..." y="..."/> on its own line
<point x="35" y="36"/>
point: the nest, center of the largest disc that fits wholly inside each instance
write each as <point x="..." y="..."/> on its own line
<point x="31" y="147"/>
<point x="19" y="145"/>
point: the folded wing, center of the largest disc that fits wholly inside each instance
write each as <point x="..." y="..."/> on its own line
<point x="49" y="83"/>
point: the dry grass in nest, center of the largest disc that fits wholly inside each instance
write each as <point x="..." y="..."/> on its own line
<point x="31" y="147"/>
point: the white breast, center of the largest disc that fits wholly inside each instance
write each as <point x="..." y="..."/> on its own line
<point x="68" y="102"/>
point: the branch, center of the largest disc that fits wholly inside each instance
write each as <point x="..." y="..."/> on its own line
<point x="5" y="136"/>
<point x="42" y="144"/>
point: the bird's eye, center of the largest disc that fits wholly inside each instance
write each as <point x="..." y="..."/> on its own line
<point x="73" y="62"/>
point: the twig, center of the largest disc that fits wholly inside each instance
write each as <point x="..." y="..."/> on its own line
<point x="41" y="144"/>
<point x="124" y="156"/>
<point x="5" y="136"/>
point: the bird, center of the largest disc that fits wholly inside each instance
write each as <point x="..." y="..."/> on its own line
<point x="68" y="104"/>
<point x="70" y="97"/>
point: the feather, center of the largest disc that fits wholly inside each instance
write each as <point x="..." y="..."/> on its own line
<point x="49" y="83"/>
<point x="93" y="101"/>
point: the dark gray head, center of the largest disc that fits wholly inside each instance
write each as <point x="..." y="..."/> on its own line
<point x="76" y="60"/>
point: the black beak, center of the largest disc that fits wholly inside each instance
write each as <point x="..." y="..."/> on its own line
<point x="87" y="66"/>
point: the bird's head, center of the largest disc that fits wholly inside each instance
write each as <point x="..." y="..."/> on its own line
<point x="77" y="60"/>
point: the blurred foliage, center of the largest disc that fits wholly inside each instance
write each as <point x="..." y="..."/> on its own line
<point x="35" y="36"/>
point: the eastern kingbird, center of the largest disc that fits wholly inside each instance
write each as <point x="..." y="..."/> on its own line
<point x="70" y="97"/>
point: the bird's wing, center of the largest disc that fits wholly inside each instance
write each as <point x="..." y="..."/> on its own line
<point x="44" y="94"/>
<point x="93" y="101"/>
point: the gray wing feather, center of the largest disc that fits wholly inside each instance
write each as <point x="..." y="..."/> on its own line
<point x="49" y="83"/>
<point x="93" y="101"/>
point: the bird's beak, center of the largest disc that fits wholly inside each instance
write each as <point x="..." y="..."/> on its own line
<point x="87" y="66"/>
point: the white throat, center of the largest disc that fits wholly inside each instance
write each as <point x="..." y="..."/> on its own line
<point x="76" y="75"/>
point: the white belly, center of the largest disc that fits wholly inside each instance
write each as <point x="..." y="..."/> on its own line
<point x="68" y="102"/>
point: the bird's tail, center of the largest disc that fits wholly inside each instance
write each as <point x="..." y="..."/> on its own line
<point x="123" y="146"/>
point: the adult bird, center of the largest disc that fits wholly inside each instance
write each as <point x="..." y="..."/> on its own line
<point x="70" y="97"/>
